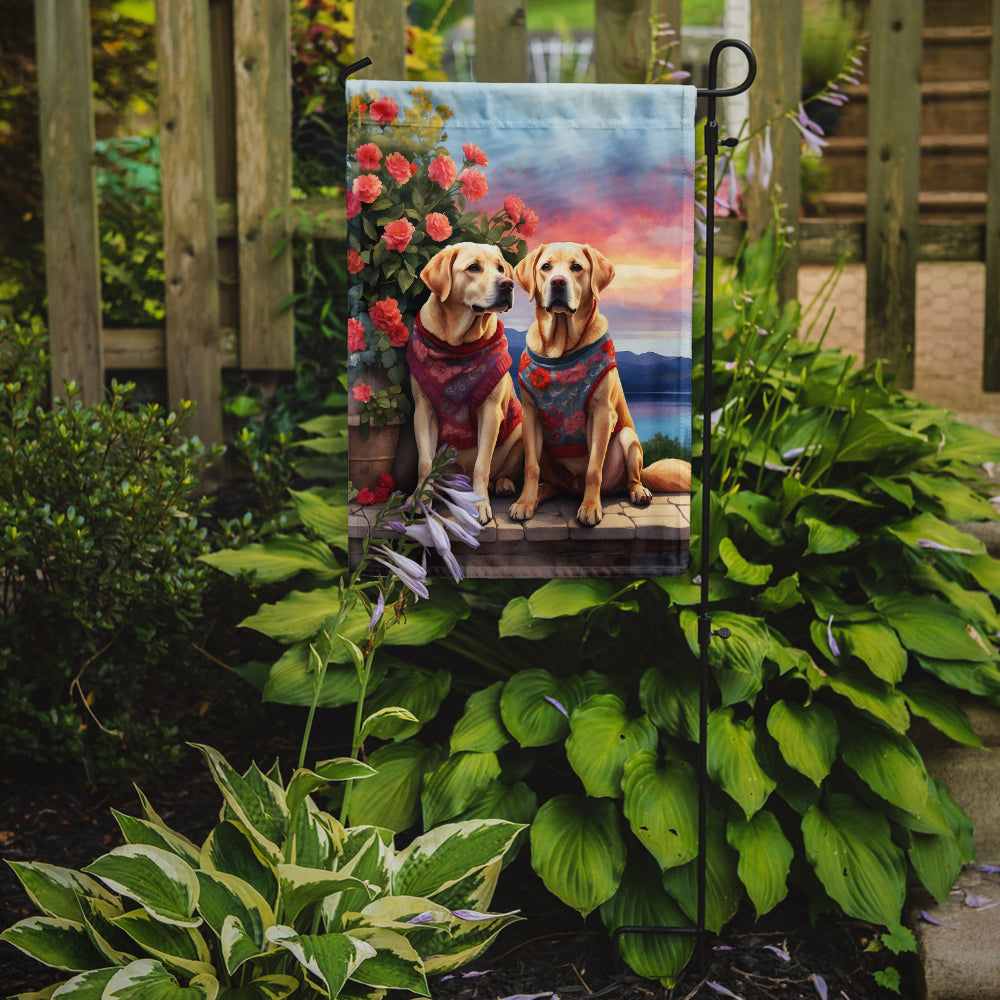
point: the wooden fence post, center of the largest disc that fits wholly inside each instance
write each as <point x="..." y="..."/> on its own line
<point x="72" y="254"/>
<point x="190" y="250"/>
<point x="380" y="34"/>
<point x="892" y="214"/>
<point x="501" y="41"/>
<point x="621" y="40"/>
<point x="776" y="35"/>
<point x="991" y="332"/>
<point x="262" y="60"/>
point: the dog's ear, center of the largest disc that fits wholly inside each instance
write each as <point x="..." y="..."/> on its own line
<point x="525" y="270"/>
<point x="601" y="270"/>
<point x="436" y="274"/>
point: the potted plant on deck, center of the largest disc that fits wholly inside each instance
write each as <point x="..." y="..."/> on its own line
<point x="407" y="198"/>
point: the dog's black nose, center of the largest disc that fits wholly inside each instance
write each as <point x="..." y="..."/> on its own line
<point x="558" y="282"/>
<point x="505" y="285"/>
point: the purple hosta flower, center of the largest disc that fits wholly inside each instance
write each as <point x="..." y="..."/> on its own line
<point x="475" y="915"/>
<point x="834" y="648"/>
<point x="431" y="535"/>
<point x="927" y="918"/>
<point x="730" y="200"/>
<point x="820" y="983"/>
<point x="531" y="996"/>
<point x="811" y="132"/>
<point x="927" y="543"/>
<point x="989" y="869"/>
<point x="377" y="612"/>
<point x="552" y="701"/>
<point x="780" y="952"/>
<point x="760" y="166"/>
<point x="427" y="917"/>
<point x="719" y="988"/>
<point x="410" y="573"/>
<point x="465" y="975"/>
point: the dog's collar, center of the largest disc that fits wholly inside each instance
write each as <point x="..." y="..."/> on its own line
<point x="443" y="345"/>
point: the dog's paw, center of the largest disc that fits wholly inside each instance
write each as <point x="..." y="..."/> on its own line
<point x="504" y="487"/>
<point x="640" y="496"/>
<point x="590" y="513"/>
<point x="484" y="511"/>
<point x="521" y="511"/>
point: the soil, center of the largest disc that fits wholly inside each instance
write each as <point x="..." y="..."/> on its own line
<point x="550" y="953"/>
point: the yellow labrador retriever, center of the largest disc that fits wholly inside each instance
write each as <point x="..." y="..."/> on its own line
<point x="463" y="393"/>
<point x="578" y="434"/>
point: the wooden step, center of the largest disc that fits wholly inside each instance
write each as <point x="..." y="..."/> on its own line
<point x="956" y="53"/>
<point x="957" y="206"/>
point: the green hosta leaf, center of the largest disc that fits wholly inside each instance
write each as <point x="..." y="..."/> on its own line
<point x="641" y="901"/>
<point x="561" y="598"/>
<point x="931" y="628"/>
<point x="141" y="831"/>
<point x="888" y="763"/>
<point x="975" y="605"/>
<point x="386" y="723"/>
<point x="602" y="738"/>
<point x="56" y="891"/>
<point x="275" y="987"/>
<point x="304" y="782"/>
<point x="516" y="803"/>
<point x="732" y="760"/>
<point x="738" y="569"/>
<point x="783" y="595"/>
<point x="417" y="690"/>
<point x="807" y="736"/>
<point x="986" y="571"/>
<point x="937" y="859"/>
<point x="535" y="706"/>
<point x="965" y="443"/>
<point x="159" y="881"/>
<point x="279" y="558"/>
<point x="765" y="858"/>
<point x="147" y="979"/>
<point x="956" y="500"/>
<point x="230" y="849"/>
<point x="864" y="691"/>
<point x="758" y="511"/>
<point x="738" y="661"/>
<point x="893" y="488"/>
<point x="226" y="898"/>
<point x="330" y="959"/>
<point x="671" y="700"/>
<point x="876" y="646"/>
<point x="976" y="678"/>
<point x="481" y="728"/>
<point x="518" y="621"/>
<point x="723" y="889"/>
<point x="828" y="539"/>
<point x="327" y="520"/>
<point x="180" y="948"/>
<point x="54" y="941"/>
<point x="301" y="887"/>
<point x="850" y="848"/>
<point x="395" y="964"/>
<point x="928" y="528"/>
<point x="440" y="858"/>
<point x="661" y="799"/>
<point x="391" y="798"/>
<point x="292" y="680"/>
<point x="456" y="784"/>
<point x="941" y="709"/>
<point x="870" y="436"/>
<point x="578" y="851"/>
<point x="260" y="809"/>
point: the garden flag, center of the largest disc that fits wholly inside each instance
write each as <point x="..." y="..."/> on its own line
<point x="521" y="263"/>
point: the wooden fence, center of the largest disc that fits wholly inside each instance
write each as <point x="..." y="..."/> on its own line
<point x="226" y="161"/>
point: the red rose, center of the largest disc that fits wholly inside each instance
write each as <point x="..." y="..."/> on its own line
<point x="387" y="481"/>
<point x="473" y="184"/>
<point x="367" y="187"/>
<point x="514" y="208"/>
<point x="366" y="497"/>
<point x="443" y="171"/>
<point x="540" y="379"/>
<point x="368" y="156"/>
<point x="474" y="154"/>
<point x="397" y="234"/>
<point x="398" y="335"/>
<point x="362" y="392"/>
<point x="354" y="261"/>
<point x="438" y="226"/>
<point x="355" y="335"/>
<point x="384" y="110"/>
<point x="385" y="314"/>
<point x="353" y="204"/>
<point x="381" y="494"/>
<point x="528" y="224"/>
<point x="398" y="167"/>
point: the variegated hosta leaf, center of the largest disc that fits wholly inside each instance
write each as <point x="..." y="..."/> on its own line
<point x="441" y="857"/>
<point x="395" y="964"/>
<point x="158" y="880"/>
<point x="86" y="986"/>
<point x="467" y="941"/>
<point x="475" y="891"/>
<point x="304" y="782"/>
<point x="147" y="979"/>
<point x="225" y="897"/>
<point x="315" y="838"/>
<point x="642" y="902"/>
<point x="230" y="849"/>
<point x="329" y="959"/>
<point x="177" y="947"/>
<point x="56" y="891"/>
<point x="300" y="887"/>
<point x="888" y="763"/>
<point x="661" y="805"/>
<point x="275" y="987"/>
<point x="765" y="858"/>
<point x="256" y="801"/>
<point x="141" y="831"/>
<point x="807" y="736"/>
<point x="732" y="760"/>
<point x="578" y="851"/>
<point x="535" y="706"/>
<point x="456" y="784"/>
<point x="850" y="847"/>
<point x="116" y="946"/>
<point x="54" y="941"/>
<point x="367" y="853"/>
<point x="602" y="737"/>
<point x="481" y="727"/>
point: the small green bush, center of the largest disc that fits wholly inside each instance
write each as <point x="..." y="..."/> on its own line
<point x="99" y="579"/>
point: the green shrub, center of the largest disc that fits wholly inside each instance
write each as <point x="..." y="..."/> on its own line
<point x="101" y="584"/>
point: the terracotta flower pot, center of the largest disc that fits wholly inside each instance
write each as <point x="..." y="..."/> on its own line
<point x="368" y="457"/>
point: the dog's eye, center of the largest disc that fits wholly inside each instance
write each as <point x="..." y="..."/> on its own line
<point x="500" y="268"/>
<point x="547" y="266"/>
<point x="475" y="266"/>
<point x="575" y="266"/>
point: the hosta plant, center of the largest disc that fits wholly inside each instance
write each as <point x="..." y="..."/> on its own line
<point x="279" y="899"/>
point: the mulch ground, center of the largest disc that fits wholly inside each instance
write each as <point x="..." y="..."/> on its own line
<point x="550" y="953"/>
